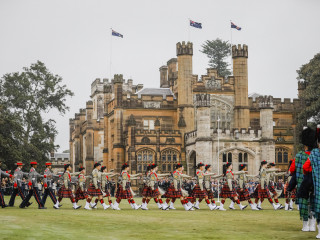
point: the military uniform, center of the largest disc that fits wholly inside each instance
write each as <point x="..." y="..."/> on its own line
<point x="124" y="186"/>
<point x="3" y="174"/>
<point x="17" y="186"/>
<point x="48" y="184"/>
<point x="146" y="188"/>
<point x="33" y="188"/>
<point x="174" y="190"/>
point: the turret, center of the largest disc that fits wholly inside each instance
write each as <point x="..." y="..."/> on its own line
<point x="164" y="77"/>
<point x="240" y="72"/>
<point x="118" y="82"/>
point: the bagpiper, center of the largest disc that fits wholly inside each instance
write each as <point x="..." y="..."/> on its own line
<point x="17" y="186"/>
<point x="174" y="191"/>
<point x="154" y="188"/>
<point x="48" y="183"/>
<point x="66" y="189"/>
<point x="308" y="139"/>
<point x="33" y="187"/>
<point x="315" y="165"/>
<point x="124" y="190"/>
<point x="3" y="174"/>
<point x="229" y="187"/>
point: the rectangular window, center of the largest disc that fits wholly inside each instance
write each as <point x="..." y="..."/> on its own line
<point x="144" y="168"/>
<point x="151" y="124"/>
<point x="174" y="158"/>
<point x="163" y="158"/>
<point x="139" y="157"/>
<point x="150" y="158"/>
<point x="145" y="124"/>
<point x="145" y="158"/>
<point x="164" y="168"/>
<point x="139" y="168"/>
<point x="169" y="158"/>
<point x="169" y="168"/>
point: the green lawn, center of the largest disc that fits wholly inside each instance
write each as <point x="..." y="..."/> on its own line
<point x="66" y="223"/>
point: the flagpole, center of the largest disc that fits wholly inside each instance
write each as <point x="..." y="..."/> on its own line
<point x="188" y="29"/>
<point x="110" y="54"/>
<point x="231" y="48"/>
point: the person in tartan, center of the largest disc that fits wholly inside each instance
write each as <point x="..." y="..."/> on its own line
<point x="154" y="188"/>
<point x="271" y="179"/>
<point x="290" y="194"/>
<point x="66" y="190"/>
<point x="81" y="192"/>
<point x="229" y="188"/>
<point x="242" y="190"/>
<point x="175" y="189"/>
<point x="262" y="190"/>
<point x="199" y="191"/>
<point x="104" y="179"/>
<point x="124" y="190"/>
<point x="208" y="176"/>
<point x="95" y="187"/>
<point x="313" y="164"/>
<point x="308" y="137"/>
<point x="146" y="188"/>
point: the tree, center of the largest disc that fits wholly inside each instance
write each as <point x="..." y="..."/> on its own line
<point x="24" y="98"/>
<point x="217" y="51"/>
<point x="310" y="74"/>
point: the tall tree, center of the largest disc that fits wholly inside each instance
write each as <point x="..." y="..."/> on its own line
<point x="310" y="73"/>
<point x="217" y="51"/>
<point x="24" y="98"/>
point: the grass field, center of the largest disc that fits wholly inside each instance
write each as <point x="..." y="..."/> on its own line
<point x="66" y="223"/>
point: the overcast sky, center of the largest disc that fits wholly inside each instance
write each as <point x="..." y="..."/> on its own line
<point x="72" y="37"/>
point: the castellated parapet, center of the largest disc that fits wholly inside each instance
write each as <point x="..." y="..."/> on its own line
<point x="240" y="51"/>
<point x="118" y="78"/>
<point x="184" y="49"/>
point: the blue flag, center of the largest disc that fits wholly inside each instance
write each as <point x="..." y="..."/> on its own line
<point x="195" y="24"/>
<point x="114" y="33"/>
<point x="235" y="26"/>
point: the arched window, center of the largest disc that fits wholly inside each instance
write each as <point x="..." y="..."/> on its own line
<point x="229" y="157"/>
<point x="240" y="158"/>
<point x="144" y="158"/>
<point x="169" y="158"/>
<point x="145" y="140"/>
<point x="224" y="157"/>
<point x="282" y="155"/>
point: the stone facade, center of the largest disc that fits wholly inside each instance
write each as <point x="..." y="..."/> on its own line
<point x="188" y="119"/>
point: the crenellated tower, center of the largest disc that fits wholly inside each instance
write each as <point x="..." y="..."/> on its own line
<point x="185" y="96"/>
<point x="240" y="72"/>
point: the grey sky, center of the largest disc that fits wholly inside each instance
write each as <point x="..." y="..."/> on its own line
<point x="72" y="37"/>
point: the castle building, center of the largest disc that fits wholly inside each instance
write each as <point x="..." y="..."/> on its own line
<point x="188" y="119"/>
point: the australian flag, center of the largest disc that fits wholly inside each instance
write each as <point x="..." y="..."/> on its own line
<point x="195" y="24"/>
<point x="235" y="26"/>
<point x="114" y="33"/>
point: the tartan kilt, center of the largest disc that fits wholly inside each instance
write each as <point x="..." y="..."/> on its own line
<point x="154" y="193"/>
<point x="261" y="193"/>
<point x="227" y="193"/>
<point x="65" y="193"/>
<point x="81" y="194"/>
<point x="291" y="194"/>
<point x="272" y="190"/>
<point x="198" y="193"/>
<point x="123" y="193"/>
<point x="172" y="193"/>
<point x="210" y="194"/>
<point x="92" y="191"/>
<point x="146" y="191"/>
<point x="243" y="195"/>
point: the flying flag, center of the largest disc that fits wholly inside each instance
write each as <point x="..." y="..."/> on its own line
<point x="114" y="33"/>
<point x="195" y="24"/>
<point x="235" y="26"/>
